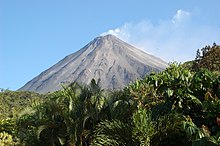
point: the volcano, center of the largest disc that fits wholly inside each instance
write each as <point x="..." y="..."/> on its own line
<point x="108" y="58"/>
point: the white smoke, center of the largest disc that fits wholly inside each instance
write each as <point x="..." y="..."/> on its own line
<point x="176" y="39"/>
<point x="180" y="16"/>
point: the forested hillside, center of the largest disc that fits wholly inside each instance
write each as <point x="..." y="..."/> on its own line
<point x="179" y="106"/>
<point x="208" y="57"/>
<point x="11" y="103"/>
<point x="176" y="106"/>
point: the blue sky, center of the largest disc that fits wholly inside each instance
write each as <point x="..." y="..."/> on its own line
<point x="34" y="35"/>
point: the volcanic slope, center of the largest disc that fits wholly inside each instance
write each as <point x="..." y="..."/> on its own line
<point x="108" y="58"/>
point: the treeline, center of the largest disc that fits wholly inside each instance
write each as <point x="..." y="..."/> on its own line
<point x="179" y="106"/>
<point x="174" y="107"/>
<point x="208" y="57"/>
<point x="13" y="102"/>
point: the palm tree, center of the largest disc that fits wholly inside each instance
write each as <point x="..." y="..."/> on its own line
<point x="113" y="132"/>
<point x="138" y="131"/>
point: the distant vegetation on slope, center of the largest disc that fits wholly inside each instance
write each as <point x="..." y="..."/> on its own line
<point x="208" y="57"/>
<point x="12" y="102"/>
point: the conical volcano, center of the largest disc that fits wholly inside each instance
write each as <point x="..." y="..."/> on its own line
<point x="108" y="58"/>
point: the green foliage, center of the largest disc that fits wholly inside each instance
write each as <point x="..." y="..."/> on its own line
<point x="177" y="90"/>
<point x="143" y="126"/>
<point x="12" y="106"/>
<point x="192" y="131"/>
<point x="176" y="106"/>
<point x="113" y="133"/>
<point x="8" y="125"/>
<point x="7" y="139"/>
<point x="210" y="59"/>
<point x="206" y="141"/>
<point x="12" y="103"/>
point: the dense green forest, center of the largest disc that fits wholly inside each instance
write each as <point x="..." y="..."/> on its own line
<point x="179" y="106"/>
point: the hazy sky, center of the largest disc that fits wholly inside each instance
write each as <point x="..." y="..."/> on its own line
<point x="36" y="34"/>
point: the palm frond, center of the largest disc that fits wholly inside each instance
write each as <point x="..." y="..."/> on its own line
<point x="111" y="133"/>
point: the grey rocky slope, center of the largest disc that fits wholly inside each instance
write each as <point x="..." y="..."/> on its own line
<point x="107" y="58"/>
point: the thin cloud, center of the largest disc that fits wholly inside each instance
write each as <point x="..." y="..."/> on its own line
<point x="176" y="39"/>
<point x="180" y="16"/>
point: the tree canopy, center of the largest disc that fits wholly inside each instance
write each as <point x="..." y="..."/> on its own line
<point x="179" y="106"/>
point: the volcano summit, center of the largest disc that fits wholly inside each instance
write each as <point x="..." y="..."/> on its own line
<point x="108" y="58"/>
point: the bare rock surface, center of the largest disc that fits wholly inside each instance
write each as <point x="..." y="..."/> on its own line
<point x="108" y="58"/>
